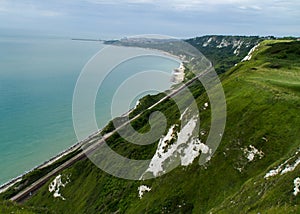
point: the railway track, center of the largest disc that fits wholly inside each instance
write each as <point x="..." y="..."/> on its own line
<point x="28" y="191"/>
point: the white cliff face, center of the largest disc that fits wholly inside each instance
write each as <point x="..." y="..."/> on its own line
<point x="160" y="156"/>
<point x="205" y="44"/>
<point x="177" y="147"/>
<point x="251" y="152"/>
<point x="296" y="186"/>
<point x="192" y="151"/>
<point x="55" y="185"/>
<point x="283" y="169"/>
<point x="288" y="166"/>
<point x="223" y="44"/>
<point x="188" y="148"/>
<point x="166" y="154"/>
<point x="142" y="190"/>
<point x="237" y="47"/>
<point x="249" y="56"/>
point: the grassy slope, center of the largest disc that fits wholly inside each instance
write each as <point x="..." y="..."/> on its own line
<point x="263" y="98"/>
<point x="33" y="176"/>
<point x="9" y="207"/>
<point x="274" y="77"/>
<point x="223" y="58"/>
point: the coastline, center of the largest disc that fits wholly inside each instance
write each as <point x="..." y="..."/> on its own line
<point x="49" y="162"/>
<point x="178" y="74"/>
<point x="78" y="145"/>
<point x="177" y="77"/>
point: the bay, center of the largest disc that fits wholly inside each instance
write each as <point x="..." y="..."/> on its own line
<point x="37" y="79"/>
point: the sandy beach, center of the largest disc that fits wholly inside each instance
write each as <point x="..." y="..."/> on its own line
<point x="178" y="74"/>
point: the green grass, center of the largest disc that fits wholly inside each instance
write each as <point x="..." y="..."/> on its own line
<point x="9" y="207"/>
<point x="33" y="176"/>
<point x="263" y="102"/>
<point x="223" y="58"/>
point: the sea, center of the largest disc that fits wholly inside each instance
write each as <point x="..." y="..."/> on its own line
<point x="38" y="75"/>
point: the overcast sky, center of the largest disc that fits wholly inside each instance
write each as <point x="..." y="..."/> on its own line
<point x="180" y="18"/>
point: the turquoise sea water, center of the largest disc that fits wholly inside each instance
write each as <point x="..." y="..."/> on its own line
<point x="37" y="79"/>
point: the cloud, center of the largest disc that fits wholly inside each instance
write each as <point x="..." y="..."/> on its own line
<point x="198" y="5"/>
<point x="172" y="4"/>
<point x="126" y="17"/>
<point x="48" y="13"/>
<point x="26" y="9"/>
<point x="250" y="7"/>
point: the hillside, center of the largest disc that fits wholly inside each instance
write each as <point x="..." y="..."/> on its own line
<point x="225" y="51"/>
<point x="255" y="168"/>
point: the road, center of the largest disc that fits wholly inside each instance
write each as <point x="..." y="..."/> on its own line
<point x="27" y="192"/>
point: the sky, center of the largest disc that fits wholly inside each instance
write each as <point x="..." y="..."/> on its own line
<point x="108" y="19"/>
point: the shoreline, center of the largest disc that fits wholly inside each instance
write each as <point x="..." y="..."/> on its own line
<point x="79" y="144"/>
<point x="178" y="74"/>
<point x="177" y="77"/>
<point x="48" y="162"/>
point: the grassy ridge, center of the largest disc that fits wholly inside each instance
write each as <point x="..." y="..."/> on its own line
<point x="225" y="51"/>
<point x="33" y="176"/>
<point x="263" y="102"/>
<point x="9" y="207"/>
